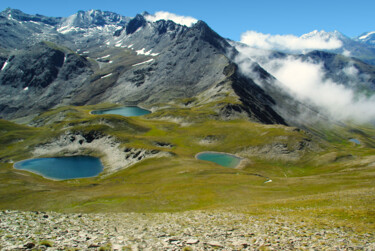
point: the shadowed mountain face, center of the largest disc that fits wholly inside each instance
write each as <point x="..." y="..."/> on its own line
<point x="40" y="77"/>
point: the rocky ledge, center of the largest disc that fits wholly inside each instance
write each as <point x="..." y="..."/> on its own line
<point x="193" y="230"/>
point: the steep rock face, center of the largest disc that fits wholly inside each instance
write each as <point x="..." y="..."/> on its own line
<point x="178" y="62"/>
<point x="38" y="78"/>
<point x="138" y="22"/>
<point x="181" y="62"/>
<point x="41" y="69"/>
<point x="256" y="102"/>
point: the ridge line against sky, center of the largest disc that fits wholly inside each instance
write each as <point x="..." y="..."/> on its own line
<point x="231" y="18"/>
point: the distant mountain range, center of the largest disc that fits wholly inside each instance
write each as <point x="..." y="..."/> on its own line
<point x="99" y="56"/>
<point x="367" y="38"/>
<point x="361" y="47"/>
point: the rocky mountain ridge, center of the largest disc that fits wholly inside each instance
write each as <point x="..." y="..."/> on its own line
<point x="97" y="56"/>
<point x="359" y="47"/>
<point x="131" y="61"/>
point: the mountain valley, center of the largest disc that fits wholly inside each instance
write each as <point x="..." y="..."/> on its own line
<point x="304" y="161"/>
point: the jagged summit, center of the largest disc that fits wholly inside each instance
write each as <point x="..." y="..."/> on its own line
<point x="91" y="19"/>
<point x="134" y="24"/>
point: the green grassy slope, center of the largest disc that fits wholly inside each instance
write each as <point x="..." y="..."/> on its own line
<point x="326" y="177"/>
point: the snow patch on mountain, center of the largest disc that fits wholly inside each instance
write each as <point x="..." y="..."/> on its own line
<point x="363" y="37"/>
<point x="145" y="62"/>
<point x="89" y="31"/>
<point x="367" y="38"/>
<point x="146" y="53"/>
<point x="5" y="65"/>
<point x="104" y="57"/>
<point x="106" y="76"/>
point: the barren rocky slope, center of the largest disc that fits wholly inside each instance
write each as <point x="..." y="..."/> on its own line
<point x="195" y="230"/>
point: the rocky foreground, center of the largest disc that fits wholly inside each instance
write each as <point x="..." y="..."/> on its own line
<point x="170" y="231"/>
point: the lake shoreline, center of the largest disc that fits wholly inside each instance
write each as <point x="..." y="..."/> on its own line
<point x="242" y="161"/>
<point x="147" y="111"/>
<point x="81" y="157"/>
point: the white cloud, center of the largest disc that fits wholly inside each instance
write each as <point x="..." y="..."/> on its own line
<point x="163" y="15"/>
<point x="307" y="81"/>
<point x="312" y="41"/>
<point x="346" y="53"/>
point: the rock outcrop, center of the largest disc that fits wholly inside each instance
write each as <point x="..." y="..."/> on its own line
<point x="113" y="155"/>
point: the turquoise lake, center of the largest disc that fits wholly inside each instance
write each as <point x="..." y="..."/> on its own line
<point x="356" y="141"/>
<point x="62" y="168"/>
<point x="127" y="111"/>
<point x="223" y="159"/>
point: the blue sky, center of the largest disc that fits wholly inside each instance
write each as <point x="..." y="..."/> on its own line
<point x="231" y="18"/>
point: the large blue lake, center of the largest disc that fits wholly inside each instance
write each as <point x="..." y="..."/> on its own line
<point x="127" y="111"/>
<point x="223" y="159"/>
<point x="62" y="168"/>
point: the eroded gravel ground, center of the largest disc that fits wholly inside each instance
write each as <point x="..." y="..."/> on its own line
<point x="197" y="230"/>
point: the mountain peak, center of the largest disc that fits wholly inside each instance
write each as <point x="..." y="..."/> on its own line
<point x="14" y="14"/>
<point x="134" y="24"/>
<point x="323" y="34"/>
<point x="91" y="19"/>
<point x="211" y="36"/>
<point x="163" y="15"/>
<point x="145" y="13"/>
<point x="18" y="15"/>
<point x="367" y="38"/>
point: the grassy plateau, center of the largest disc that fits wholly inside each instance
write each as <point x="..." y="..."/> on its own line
<point x="319" y="176"/>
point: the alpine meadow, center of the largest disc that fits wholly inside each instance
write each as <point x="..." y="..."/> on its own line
<point x="154" y="132"/>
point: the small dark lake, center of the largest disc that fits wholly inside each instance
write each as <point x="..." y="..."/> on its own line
<point x="126" y="111"/>
<point x="62" y="168"/>
<point x="223" y="159"/>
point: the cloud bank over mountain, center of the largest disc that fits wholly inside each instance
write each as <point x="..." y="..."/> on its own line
<point x="290" y="43"/>
<point x="164" y="15"/>
<point x="307" y="81"/>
